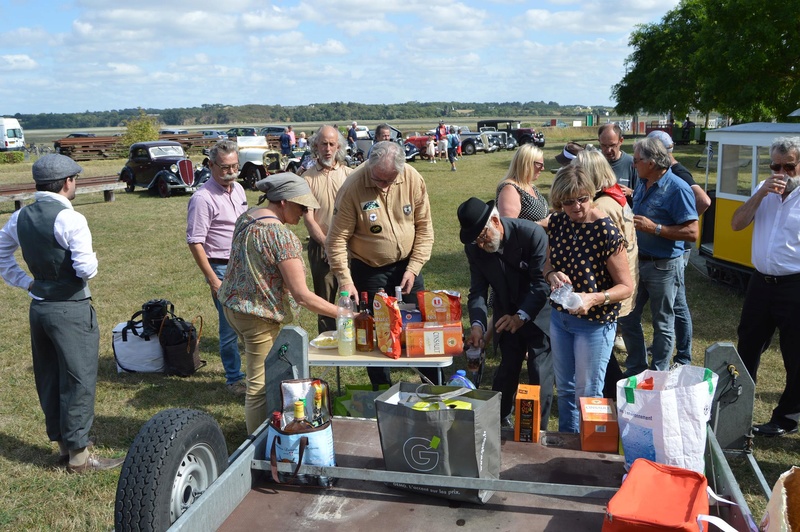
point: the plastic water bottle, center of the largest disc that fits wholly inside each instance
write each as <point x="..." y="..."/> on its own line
<point x="564" y="296"/>
<point x="460" y="379"/>
<point x="345" y="329"/>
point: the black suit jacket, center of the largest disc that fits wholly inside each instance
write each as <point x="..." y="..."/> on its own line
<point x="516" y="277"/>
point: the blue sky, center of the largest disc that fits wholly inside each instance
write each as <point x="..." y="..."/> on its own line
<point x="72" y="56"/>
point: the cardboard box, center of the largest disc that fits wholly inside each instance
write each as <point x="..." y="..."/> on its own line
<point x="599" y="428"/>
<point x="527" y="414"/>
<point x="434" y="339"/>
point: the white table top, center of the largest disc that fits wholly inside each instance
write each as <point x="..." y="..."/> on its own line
<point x="331" y="357"/>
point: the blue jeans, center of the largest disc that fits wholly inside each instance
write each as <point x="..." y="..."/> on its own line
<point x="581" y="350"/>
<point x="659" y="281"/>
<point x="683" y="319"/>
<point x="228" y="341"/>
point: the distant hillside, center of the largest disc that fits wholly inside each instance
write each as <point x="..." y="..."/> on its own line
<point x="321" y="112"/>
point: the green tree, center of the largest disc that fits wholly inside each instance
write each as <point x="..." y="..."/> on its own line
<point x="140" y="128"/>
<point x="739" y="57"/>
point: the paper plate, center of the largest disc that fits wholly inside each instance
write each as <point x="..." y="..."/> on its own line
<point x="320" y="342"/>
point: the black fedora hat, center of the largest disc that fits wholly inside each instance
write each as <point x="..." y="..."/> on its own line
<point x="473" y="215"/>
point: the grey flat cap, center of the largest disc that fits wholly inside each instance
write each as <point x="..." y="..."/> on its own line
<point x="54" y="166"/>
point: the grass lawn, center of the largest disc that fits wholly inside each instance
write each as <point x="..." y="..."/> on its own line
<point x="140" y="242"/>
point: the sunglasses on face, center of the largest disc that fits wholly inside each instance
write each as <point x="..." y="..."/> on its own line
<point x="572" y="201"/>
<point x="538" y="165"/>
<point x="787" y="167"/>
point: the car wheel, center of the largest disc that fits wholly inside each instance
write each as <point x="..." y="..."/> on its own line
<point x="127" y="177"/>
<point x="163" y="188"/>
<point x="524" y="140"/>
<point x="468" y="148"/>
<point x="175" y="457"/>
<point x="250" y="176"/>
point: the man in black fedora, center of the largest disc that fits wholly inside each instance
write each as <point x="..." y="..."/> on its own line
<point x="508" y="254"/>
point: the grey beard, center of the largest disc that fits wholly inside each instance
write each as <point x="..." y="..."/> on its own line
<point x="792" y="184"/>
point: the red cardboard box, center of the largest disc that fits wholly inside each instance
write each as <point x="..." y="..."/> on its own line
<point x="527" y="413"/>
<point x="599" y="428"/>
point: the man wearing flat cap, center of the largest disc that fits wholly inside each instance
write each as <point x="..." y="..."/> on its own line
<point x="65" y="340"/>
<point x="508" y="254"/>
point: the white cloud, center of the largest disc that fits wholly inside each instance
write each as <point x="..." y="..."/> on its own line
<point x="16" y="62"/>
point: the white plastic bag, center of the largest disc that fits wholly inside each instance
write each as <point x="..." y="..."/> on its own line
<point x="666" y="424"/>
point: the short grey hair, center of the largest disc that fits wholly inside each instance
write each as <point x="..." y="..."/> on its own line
<point x="652" y="149"/>
<point x="341" y="152"/>
<point x="387" y="151"/>
<point x="785" y="146"/>
<point x="224" y="146"/>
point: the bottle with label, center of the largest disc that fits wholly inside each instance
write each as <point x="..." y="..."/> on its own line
<point x="365" y="326"/>
<point x="345" y="330"/>
<point x="300" y="423"/>
<point x="317" y="418"/>
<point x="460" y="379"/>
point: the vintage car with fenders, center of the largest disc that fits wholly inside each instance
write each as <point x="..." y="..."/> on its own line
<point x="162" y="167"/>
<point x="513" y="127"/>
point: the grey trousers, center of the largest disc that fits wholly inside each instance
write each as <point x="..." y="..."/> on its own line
<point x="65" y="342"/>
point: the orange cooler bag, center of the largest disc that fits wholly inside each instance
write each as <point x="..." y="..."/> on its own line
<point x="657" y="497"/>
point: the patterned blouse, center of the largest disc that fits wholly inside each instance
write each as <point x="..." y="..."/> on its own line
<point x="533" y="208"/>
<point x="253" y="283"/>
<point x="581" y="251"/>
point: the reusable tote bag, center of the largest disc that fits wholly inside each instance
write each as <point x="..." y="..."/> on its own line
<point x="783" y="510"/>
<point x="663" y="415"/>
<point x="452" y="431"/>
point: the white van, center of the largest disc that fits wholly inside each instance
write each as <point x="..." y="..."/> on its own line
<point x="11" y="136"/>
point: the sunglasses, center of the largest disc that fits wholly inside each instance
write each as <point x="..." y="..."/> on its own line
<point x="538" y="165"/>
<point x="573" y="201"/>
<point x="787" y="167"/>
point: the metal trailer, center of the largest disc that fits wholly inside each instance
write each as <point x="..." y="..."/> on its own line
<point x="546" y="486"/>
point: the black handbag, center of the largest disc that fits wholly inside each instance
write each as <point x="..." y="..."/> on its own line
<point x="153" y="313"/>
<point x="180" y="340"/>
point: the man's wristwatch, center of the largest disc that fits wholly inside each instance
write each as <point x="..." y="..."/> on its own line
<point x="657" y="231"/>
<point x="522" y="317"/>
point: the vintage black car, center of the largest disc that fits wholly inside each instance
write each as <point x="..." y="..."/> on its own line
<point x="162" y="167"/>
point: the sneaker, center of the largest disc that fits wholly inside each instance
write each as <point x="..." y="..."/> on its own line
<point x="94" y="463"/>
<point x="237" y="388"/>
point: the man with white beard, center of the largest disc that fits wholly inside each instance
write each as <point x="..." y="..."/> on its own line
<point x="213" y="211"/>
<point x="324" y="178"/>
<point x="774" y="288"/>
<point x="508" y="254"/>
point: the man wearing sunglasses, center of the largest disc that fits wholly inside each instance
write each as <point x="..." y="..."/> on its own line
<point x="212" y="215"/>
<point x="664" y="217"/>
<point x="774" y="288"/>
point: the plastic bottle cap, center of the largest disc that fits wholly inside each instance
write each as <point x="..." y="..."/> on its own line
<point x="461" y="372"/>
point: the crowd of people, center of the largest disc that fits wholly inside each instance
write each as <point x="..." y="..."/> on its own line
<point x="616" y="229"/>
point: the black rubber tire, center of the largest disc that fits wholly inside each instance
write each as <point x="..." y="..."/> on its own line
<point x="177" y="453"/>
<point x="250" y="176"/>
<point x="468" y="148"/>
<point x="524" y="140"/>
<point x="163" y="188"/>
<point x="127" y="177"/>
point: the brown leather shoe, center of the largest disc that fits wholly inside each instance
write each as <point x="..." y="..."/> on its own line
<point x="94" y="463"/>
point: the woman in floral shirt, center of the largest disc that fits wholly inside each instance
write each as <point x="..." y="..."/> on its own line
<point x="266" y="279"/>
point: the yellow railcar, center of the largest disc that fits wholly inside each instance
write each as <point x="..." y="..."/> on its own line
<point x="737" y="159"/>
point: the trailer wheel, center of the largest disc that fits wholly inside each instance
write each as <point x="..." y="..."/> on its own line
<point x="175" y="457"/>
